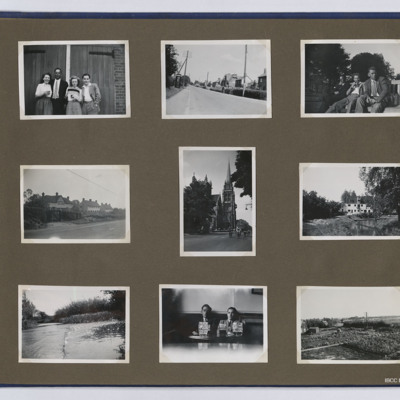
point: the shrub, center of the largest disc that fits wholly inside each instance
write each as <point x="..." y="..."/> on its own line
<point x="90" y="317"/>
<point x="250" y="93"/>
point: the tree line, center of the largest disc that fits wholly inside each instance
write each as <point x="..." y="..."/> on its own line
<point x="110" y="307"/>
<point x="317" y="207"/>
<point x="321" y="322"/>
<point x="36" y="212"/>
<point x="329" y="61"/>
<point x="382" y="185"/>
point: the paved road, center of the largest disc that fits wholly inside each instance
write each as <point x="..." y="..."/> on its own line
<point x="67" y="230"/>
<point x="197" y="101"/>
<point x="216" y="242"/>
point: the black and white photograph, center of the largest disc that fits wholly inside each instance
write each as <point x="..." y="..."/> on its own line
<point x="217" y="201"/>
<point x="216" y="79"/>
<point x="212" y="323"/>
<point x="75" y="204"/>
<point x="74" y="79"/>
<point x="73" y="324"/>
<point x="350" y="78"/>
<point x="349" y="201"/>
<point x="348" y="325"/>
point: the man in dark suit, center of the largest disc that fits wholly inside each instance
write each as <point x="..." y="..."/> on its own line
<point x="206" y="318"/>
<point x="59" y="88"/>
<point x="374" y="93"/>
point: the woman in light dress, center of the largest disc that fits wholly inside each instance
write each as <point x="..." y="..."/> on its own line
<point x="43" y="93"/>
<point x="74" y="96"/>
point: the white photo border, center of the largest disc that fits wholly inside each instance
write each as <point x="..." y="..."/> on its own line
<point x="124" y="168"/>
<point x="302" y="167"/>
<point x="22" y="288"/>
<point x="262" y="359"/>
<point x="21" y="83"/>
<point x="264" y="42"/>
<point x="182" y="251"/>
<point x="299" y="292"/>
<point x="303" y="114"/>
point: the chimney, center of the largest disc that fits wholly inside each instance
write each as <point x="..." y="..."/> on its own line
<point x="67" y="197"/>
<point x="90" y="199"/>
<point x="43" y="194"/>
<point x="83" y="199"/>
<point x="56" y="194"/>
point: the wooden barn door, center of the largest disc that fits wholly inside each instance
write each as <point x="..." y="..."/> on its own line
<point x="98" y="62"/>
<point x="37" y="61"/>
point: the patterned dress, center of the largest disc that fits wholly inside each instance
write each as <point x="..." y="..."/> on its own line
<point x="74" y="95"/>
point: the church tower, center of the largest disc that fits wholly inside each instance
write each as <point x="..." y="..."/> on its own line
<point x="229" y="205"/>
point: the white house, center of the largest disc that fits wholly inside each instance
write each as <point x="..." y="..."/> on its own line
<point x="356" y="208"/>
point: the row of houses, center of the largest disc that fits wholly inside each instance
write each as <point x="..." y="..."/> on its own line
<point x="233" y="80"/>
<point x="58" y="202"/>
<point x="236" y="81"/>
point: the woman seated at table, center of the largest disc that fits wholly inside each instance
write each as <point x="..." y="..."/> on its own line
<point x="43" y="93"/>
<point x="233" y="325"/>
<point x="74" y="96"/>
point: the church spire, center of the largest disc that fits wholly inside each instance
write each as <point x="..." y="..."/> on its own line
<point x="228" y="174"/>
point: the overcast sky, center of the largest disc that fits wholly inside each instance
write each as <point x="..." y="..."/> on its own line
<point x="345" y="302"/>
<point x="214" y="164"/>
<point x="220" y="59"/>
<point x="51" y="298"/>
<point x="331" y="180"/>
<point x="104" y="185"/>
<point x="390" y="52"/>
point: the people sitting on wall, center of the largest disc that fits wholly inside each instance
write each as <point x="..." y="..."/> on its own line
<point x="339" y="91"/>
<point x="375" y="93"/>
<point x="352" y="94"/>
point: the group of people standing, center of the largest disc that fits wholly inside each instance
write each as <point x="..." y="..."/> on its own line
<point x="54" y="96"/>
<point x="358" y="96"/>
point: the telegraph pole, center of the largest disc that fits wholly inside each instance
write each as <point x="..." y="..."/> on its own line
<point x="187" y="55"/>
<point x="244" y="74"/>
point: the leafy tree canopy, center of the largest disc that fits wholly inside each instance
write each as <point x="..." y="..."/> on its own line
<point x="242" y="177"/>
<point x="316" y="207"/>
<point x="383" y="183"/>
<point x="171" y="63"/>
<point x="361" y="62"/>
<point x="327" y="60"/>
<point x="198" y="206"/>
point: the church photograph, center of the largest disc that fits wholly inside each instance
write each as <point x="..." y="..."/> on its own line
<point x="217" y="206"/>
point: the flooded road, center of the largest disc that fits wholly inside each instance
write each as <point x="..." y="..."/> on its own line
<point x="86" y="341"/>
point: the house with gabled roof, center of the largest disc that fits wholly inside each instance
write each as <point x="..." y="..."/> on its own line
<point x="90" y="207"/>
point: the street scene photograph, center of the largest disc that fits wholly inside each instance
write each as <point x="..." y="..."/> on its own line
<point x="216" y="79"/>
<point x="348" y="325"/>
<point x="79" y="324"/>
<point x="74" y="79"/>
<point x="350" y="78"/>
<point x="349" y="201"/>
<point x="217" y="202"/>
<point x="213" y="323"/>
<point x="75" y="204"/>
